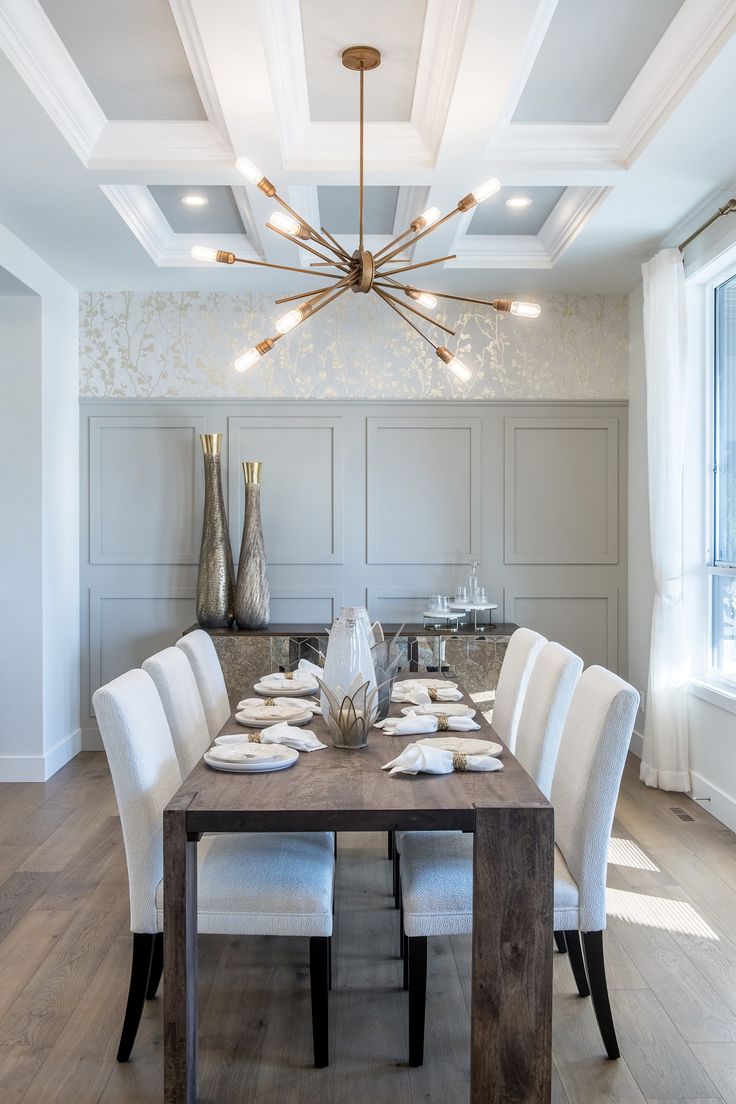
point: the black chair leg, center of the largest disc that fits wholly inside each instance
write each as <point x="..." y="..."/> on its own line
<point x="560" y="943"/>
<point x="575" y="952"/>
<point x="319" y="955"/>
<point x="390" y="845"/>
<point x="405" y="956"/>
<point x="593" y="947"/>
<point x="329" y="963"/>
<point x="157" y="966"/>
<point x="397" y="880"/>
<point x="140" y="971"/>
<point x="417" y="958"/>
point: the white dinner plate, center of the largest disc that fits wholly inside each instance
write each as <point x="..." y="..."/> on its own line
<point x="434" y="709"/>
<point x="296" y="689"/>
<point x="467" y="745"/>
<point x="430" y="683"/>
<point x="254" y="717"/>
<point x="247" y="758"/>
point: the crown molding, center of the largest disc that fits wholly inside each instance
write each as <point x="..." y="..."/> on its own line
<point x="568" y="217"/>
<point x="146" y="221"/>
<point x="32" y="45"/>
<point x="191" y="40"/>
<point x="144" y="145"/>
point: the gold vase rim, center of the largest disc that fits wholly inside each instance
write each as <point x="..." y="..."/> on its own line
<point x="252" y="470"/>
<point x="211" y="443"/>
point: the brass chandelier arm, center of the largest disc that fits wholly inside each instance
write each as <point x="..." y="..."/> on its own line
<point x="464" y="298"/>
<point x="303" y="295"/>
<point x="392" y="243"/>
<point x="421" y="264"/>
<point x="420" y="235"/>
<point x="303" y="221"/>
<point x="303" y="245"/>
<point x="325" y="302"/>
<point x="426" y="317"/>
<point x="322" y="264"/>
<point x="284" y="268"/>
<point x="339" y="248"/>
<point x="401" y="315"/>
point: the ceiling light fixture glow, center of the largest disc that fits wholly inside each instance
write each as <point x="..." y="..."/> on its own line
<point x="518" y="202"/>
<point x="361" y="270"/>
<point x="194" y="200"/>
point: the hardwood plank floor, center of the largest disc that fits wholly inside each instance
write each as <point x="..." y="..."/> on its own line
<point x="65" y="946"/>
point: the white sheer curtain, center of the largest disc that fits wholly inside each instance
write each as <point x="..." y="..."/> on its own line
<point x="665" y="755"/>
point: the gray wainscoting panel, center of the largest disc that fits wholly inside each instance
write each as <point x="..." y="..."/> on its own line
<point x="381" y="503"/>
<point x="302" y="481"/>
<point x="145" y="494"/>
<point x="561" y="490"/>
<point x="130" y="623"/>
<point x="424" y="487"/>
<point x="584" y="619"/>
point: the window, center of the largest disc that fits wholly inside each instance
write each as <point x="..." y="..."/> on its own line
<point x="723" y="568"/>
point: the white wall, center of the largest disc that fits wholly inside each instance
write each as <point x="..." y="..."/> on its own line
<point x="21" y="683"/>
<point x="40" y="406"/>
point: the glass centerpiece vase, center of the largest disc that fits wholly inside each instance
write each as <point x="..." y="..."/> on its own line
<point x="350" y="713"/>
<point x="386" y="659"/>
<point x="348" y="656"/>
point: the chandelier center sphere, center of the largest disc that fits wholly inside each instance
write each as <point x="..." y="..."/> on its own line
<point x="364" y="265"/>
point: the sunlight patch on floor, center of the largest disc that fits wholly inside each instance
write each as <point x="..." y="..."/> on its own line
<point x="483" y="696"/>
<point x="624" y="852"/>
<point x="657" y="912"/>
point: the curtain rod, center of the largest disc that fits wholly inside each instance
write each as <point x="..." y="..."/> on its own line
<point x="727" y="209"/>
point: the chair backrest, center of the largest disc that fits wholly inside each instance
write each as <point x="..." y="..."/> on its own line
<point x="145" y="774"/>
<point x="200" y="651"/>
<point x="521" y="652"/>
<point x="174" y="679"/>
<point x="546" y="702"/>
<point x="587" y="777"/>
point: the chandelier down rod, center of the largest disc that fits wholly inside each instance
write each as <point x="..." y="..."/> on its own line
<point x="362" y="271"/>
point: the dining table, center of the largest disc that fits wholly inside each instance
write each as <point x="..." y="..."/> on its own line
<point x="345" y="790"/>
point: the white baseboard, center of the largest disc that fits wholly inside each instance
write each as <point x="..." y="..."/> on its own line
<point x="637" y="742"/>
<point x="39" y="768"/>
<point x="721" y="805"/>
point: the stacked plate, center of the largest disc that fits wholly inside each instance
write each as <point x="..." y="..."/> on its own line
<point x="435" y="709"/>
<point x="244" y="758"/>
<point x="278" y="684"/>
<point x="466" y="745"/>
<point x="433" y="683"/>
<point x="255" y="713"/>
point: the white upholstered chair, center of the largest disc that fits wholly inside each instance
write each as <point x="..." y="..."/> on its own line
<point x="200" y="651"/>
<point x="249" y="884"/>
<point x="174" y="679"/>
<point x="437" y="879"/>
<point x="546" y="699"/>
<point x="518" y="662"/>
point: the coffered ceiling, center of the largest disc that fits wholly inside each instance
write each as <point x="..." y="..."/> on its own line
<point x="591" y="110"/>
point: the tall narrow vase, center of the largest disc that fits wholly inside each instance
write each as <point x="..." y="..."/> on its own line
<point x="215" y="578"/>
<point x="252" y="598"/>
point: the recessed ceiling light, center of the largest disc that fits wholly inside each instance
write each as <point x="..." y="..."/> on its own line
<point x="192" y="200"/>
<point x="519" y="201"/>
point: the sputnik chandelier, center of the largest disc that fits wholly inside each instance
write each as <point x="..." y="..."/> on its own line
<point x="362" y="271"/>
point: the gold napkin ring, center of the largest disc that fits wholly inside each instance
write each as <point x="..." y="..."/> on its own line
<point x="269" y="701"/>
<point x="254" y="737"/>
<point x="443" y="722"/>
<point x="459" y="761"/>
<point x="288" y="675"/>
<point x="432" y="695"/>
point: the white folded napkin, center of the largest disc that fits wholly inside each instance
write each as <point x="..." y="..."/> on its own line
<point x="283" y="734"/>
<point x="280" y="681"/>
<point x="414" y="693"/>
<point x="248" y="704"/>
<point x="415" y="723"/>
<point x="421" y="757"/>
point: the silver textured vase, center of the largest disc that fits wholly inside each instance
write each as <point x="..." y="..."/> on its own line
<point x="215" y="577"/>
<point x="252" y="598"/>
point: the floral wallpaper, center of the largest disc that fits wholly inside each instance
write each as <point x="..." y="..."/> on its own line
<point x="182" y="345"/>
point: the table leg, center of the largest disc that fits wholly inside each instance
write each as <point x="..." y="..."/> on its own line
<point x="180" y="956"/>
<point x="511" y="1015"/>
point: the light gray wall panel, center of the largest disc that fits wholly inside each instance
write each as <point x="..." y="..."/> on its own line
<point x="424" y="478"/>
<point x="302" y="481"/>
<point x="583" y="619"/>
<point x="130" y="623"/>
<point x="145" y="490"/>
<point x="561" y="490"/>
<point x="375" y="502"/>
